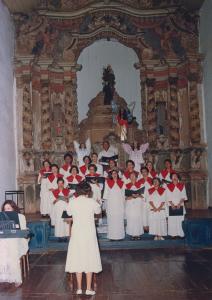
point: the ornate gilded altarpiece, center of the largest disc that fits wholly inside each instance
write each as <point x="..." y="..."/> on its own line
<point x="165" y="37"/>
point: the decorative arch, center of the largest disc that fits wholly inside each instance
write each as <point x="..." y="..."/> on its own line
<point x="48" y="44"/>
<point x="97" y="55"/>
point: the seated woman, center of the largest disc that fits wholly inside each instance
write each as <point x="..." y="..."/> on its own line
<point x="114" y="195"/>
<point x="84" y="168"/>
<point x="12" y="250"/>
<point x="74" y="179"/>
<point x="135" y="208"/>
<point x="157" y="210"/>
<point x="83" y="251"/>
<point x="60" y="199"/>
<point x="44" y="193"/>
<point x="176" y="196"/>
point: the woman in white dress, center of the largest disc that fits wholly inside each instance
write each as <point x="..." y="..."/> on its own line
<point x="94" y="158"/>
<point x="112" y="165"/>
<point x="74" y="179"/>
<point x="134" y="208"/>
<point x="165" y="174"/>
<point x="83" y="251"/>
<point x="12" y="250"/>
<point x="60" y="199"/>
<point x="151" y="171"/>
<point x="146" y="182"/>
<point x="157" y="210"/>
<point x="95" y="186"/>
<point x="65" y="169"/>
<point x="44" y="193"/>
<point x="51" y="186"/>
<point x="114" y="195"/>
<point x="82" y="150"/>
<point x="84" y="168"/>
<point x="130" y="168"/>
<point x="176" y="196"/>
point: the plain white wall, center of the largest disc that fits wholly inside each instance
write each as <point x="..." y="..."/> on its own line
<point x="89" y="79"/>
<point x="7" y="136"/>
<point x="206" y="49"/>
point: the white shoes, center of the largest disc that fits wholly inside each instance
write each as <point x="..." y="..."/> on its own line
<point x="90" y="293"/>
<point x="158" y="238"/>
<point x="79" y="292"/>
<point x="87" y="292"/>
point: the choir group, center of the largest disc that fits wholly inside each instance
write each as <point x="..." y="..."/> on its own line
<point x="147" y="200"/>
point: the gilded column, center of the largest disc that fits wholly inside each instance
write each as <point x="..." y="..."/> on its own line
<point x="69" y="107"/>
<point x="194" y="109"/>
<point x="27" y="114"/>
<point x="174" y="113"/>
<point x="151" y="111"/>
<point x="46" y="116"/>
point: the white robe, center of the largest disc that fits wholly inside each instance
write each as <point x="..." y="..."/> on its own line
<point x="61" y="227"/>
<point x="106" y="174"/>
<point x="51" y="185"/>
<point x="73" y="181"/>
<point x="97" y="191"/>
<point x="134" y="212"/>
<point x="163" y="175"/>
<point x="157" y="220"/>
<point x="45" y="208"/>
<point x="136" y="155"/>
<point x="11" y="252"/>
<point x="99" y="169"/>
<point x="115" y="207"/>
<point x="112" y="151"/>
<point x="64" y="172"/>
<point x="83" y="173"/>
<point x="82" y="152"/>
<point x="83" y="250"/>
<point x="147" y="186"/>
<point x="175" y="222"/>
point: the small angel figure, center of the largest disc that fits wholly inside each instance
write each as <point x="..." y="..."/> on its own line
<point x="136" y="152"/>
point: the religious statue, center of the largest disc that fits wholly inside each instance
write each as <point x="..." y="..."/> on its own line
<point x="196" y="156"/>
<point x="124" y="119"/>
<point x="26" y="163"/>
<point x="176" y="158"/>
<point x="108" y="84"/>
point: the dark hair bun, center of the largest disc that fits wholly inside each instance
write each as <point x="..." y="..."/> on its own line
<point x="84" y="189"/>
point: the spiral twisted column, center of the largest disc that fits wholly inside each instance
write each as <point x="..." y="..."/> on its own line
<point x="174" y="133"/>
<point x="151" y="111"/>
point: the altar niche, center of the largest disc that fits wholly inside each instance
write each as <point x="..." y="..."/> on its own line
<point x="48" y="44"/>
<point x="108" y="83"/>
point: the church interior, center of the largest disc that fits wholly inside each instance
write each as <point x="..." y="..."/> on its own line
<point x="115" y="95"/>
